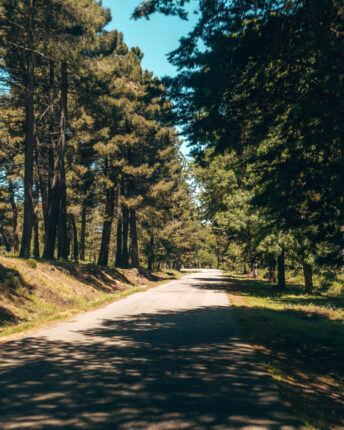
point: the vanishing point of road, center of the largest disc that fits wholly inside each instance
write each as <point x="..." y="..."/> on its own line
<point x="171" y="357"/>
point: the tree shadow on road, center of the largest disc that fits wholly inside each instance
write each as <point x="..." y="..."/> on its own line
<point x="186" y="369"/>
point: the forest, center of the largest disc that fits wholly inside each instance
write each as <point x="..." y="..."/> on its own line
<point x="90" y="163"/>
<point x="91" y="167"/>
<point x="99" y="200"/>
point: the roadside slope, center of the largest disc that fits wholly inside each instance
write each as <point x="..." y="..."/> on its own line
<point x="33" y="292"/>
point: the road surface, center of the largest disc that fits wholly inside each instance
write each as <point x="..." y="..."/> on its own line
<point x="167" y="358"/>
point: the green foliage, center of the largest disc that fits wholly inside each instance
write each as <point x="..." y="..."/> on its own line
<point x="121" y="159"/>
<point x="206" y="259"/>
<point x="264" y="86"/>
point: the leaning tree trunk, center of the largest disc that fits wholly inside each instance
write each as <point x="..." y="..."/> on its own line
<point x="308" y="276"/>
<point x="125" y="254"/>
<point x="83" y="232"/>
<point x="106" y="236"/>
<point x="134" y="245"/>
<point x="29" y="141"/>
<point x="281" y="271"/>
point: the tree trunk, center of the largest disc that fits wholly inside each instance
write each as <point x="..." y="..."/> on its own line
<point x="134" y="245"/>
<point x="151" y="254"/>
<point x="125" y="254"/>
<point x="5" y="240"/>
<point x="83" y="232"/>
<point x="42" y="182"/>
<point x="118" y="262"/>
<point x="15" y="225"/>
<point x="74" y="234"/>
<point x="52" y="215"/>
<point x="63" y="237"/>
<point x="29" y="140"/>
<point x="36" y="252"/>
<point x="255" y="271"/>
<point x="106" y="236"/>
<point x="272" y="274"/>
<point x="57" y="192"/>
<point x="63" y="240"/>
<point x="150" y="262"/>
<point x="308" y="276"/>
<point x="281" y="271"/>
<point x="51" y="122"/>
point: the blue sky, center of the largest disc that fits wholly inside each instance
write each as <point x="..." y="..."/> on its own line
<point x="156" y="37"/>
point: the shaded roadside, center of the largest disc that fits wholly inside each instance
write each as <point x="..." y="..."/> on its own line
<point x="300" y="339"/>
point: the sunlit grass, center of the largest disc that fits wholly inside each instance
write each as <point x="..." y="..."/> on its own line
<point x="295" y="334"/>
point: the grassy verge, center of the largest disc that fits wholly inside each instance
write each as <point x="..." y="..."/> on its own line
<point x="300" y="339"/>
<point x="33" y="293"/>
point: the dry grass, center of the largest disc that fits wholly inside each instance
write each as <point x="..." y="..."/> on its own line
<point x="34" y="293"/>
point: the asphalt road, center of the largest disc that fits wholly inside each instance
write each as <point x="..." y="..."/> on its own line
<point x="168" y="358"/>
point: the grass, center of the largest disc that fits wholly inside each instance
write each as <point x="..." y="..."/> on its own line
<point x="34" y="293"/>
<point x="300" y="338"/>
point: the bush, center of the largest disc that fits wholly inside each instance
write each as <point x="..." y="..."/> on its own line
<point x="32" y="263"/>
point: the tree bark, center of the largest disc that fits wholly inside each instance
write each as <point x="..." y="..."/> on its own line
<point x="29" y="140"/>
<point x="151" y="254"/>
<point x="52" y="215"/>
<point x="118" y="261"/>
<point x="63" y="240"/>
<point x="42" y="182"/>
<point x="245" y="270"/>
<point x="255" y="271"/>
<point x="134" y="245"/>
<point x="15" y="225"/>
<point x="272" y="274"/>
<point x="281" y="271"/>
<point x="125" y="254"/>
<point x="57" y="192"/>
<point x="106" y="235"/>
<point x="36" y="252"/>
<point x="5" y="240"/>
<point x="308" y="276"/>
<point x="51" y="122"/>
<point x="83" y="232"/>
<point x="75" y="237"/>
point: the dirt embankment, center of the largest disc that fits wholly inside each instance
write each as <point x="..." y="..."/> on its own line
<point x="33" y="292"/>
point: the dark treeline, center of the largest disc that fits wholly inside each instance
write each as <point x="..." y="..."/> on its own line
<point x="260" y="93"/>
<point x="90" y="166"/>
